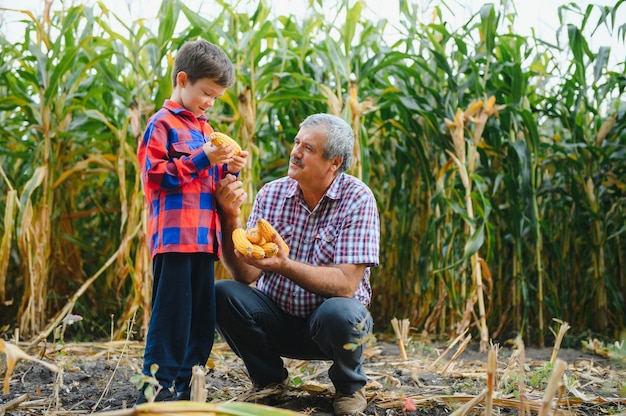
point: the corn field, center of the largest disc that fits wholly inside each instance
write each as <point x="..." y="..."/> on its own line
<point x="499" y="169"/>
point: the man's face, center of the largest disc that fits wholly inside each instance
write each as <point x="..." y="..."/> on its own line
<point x="307" y="164"/>
<point x="200" y="96"/>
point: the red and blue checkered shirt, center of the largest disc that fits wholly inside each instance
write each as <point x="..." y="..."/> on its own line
<point x="179" y="183"/>
<point x="344" y="228"/>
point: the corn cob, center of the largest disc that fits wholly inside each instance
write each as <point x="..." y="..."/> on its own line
<point x="218" y="139"/>
<point x="270" y="249"/>
<point x="241" y="241"/>
<point x="254" y="236"/>
<point x="257" y="251"/>
<point x="265" y="229"/>
<point x="268" y="232"/>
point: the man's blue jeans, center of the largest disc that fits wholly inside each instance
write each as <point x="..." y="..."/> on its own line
<point x="259" y="332"/>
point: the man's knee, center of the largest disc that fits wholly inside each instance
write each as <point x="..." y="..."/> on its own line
<point x="225" y="290"/>
<point x="345" y="312"/>
<point x="225" y="287"/>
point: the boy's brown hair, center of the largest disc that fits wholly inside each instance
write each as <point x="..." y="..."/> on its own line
<point x="202" y="59"/>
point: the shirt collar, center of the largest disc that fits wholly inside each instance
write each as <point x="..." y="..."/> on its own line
<point x="178" y="109"/>
<point x="333" y="191"/>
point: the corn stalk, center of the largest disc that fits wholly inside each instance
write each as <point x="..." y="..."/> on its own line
<point x="77" y="89"/>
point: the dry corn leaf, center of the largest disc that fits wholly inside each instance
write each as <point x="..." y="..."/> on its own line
<point x="13" y="354"/>
<point x="179" y="408"/>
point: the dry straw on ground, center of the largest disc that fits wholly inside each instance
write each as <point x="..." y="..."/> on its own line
<point x="94" y="378"/>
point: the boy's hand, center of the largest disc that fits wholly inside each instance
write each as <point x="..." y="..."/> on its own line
<point x="238" y="162"/>
<point x="219" y="154"/>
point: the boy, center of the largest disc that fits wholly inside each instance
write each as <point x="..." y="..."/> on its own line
<point x="179" y="171"/>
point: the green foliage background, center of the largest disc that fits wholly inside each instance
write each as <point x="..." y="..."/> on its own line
<point x="535" y="233"/>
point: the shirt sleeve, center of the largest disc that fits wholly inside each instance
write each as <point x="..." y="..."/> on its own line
<point x="257" y="209"/>
<point x="358" y="239"/>
<point x="164" y="168"/>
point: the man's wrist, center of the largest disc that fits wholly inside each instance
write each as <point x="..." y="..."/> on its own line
<point x="230" y="218"/>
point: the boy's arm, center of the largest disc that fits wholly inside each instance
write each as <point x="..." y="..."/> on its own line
<point x="167" y="165"/>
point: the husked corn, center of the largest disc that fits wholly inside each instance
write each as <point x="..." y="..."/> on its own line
<point x="268" y="232"/>
<point x="218" y="139"/>
<point x="254" y="236"/>
<point x="271" y="249"/>
<point x="257" y="251"/>
<point x="241" y="242"/>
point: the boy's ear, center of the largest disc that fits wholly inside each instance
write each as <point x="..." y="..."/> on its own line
<point x="181" y="79"/>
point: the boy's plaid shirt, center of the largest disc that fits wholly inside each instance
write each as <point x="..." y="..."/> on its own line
<point x="179" y="183"/>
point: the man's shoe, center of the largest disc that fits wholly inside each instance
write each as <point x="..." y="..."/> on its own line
<point x="281" y="385"/>
<point x="270" y="395"/>
<point x="274" y="386"/>
<point x="164" y="395"/>
<point x="352" y="404"/>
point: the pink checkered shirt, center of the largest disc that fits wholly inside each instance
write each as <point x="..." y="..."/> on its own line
<point x="343" y="229"/>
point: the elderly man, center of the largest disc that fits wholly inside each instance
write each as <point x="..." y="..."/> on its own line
<point x="312" y="302"/>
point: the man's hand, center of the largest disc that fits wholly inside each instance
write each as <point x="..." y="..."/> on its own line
<point x="230" y="195"/>
<point x="275" y="263"/>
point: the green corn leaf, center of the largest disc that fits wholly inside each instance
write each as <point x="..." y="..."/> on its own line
<point x="474" y="242"/>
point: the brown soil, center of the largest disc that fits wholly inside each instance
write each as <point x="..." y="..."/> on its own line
<point x="96" y="379"/>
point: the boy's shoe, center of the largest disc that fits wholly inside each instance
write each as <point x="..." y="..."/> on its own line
<point x="165" y="395"/>
<point x="352" y="404"/>
<point x="183" y="395"/>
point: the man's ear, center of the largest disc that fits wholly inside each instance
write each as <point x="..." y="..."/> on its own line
<point x="337" y="163"/>
<point x="181" y="79"/>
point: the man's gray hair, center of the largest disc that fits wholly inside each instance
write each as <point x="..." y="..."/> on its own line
<point x="340" y="141"/>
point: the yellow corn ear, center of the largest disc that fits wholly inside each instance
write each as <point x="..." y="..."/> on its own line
<point x="254" y="236"/>
<point x="265" y="229"/>
<point x="218" y="139"/>
<point x="241" y="242"/>
<point x="270" y="249"/>
<point x="257" y="251"/>
<point x="268" y="232"/>
<point x="283" y="245"/>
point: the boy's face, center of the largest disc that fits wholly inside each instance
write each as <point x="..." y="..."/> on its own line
<point x="197" y="97"/>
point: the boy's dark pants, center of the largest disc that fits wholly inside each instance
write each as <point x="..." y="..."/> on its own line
<point x="182" y="325"/>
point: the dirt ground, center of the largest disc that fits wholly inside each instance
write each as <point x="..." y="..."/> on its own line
<point x="95" y="378"/>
